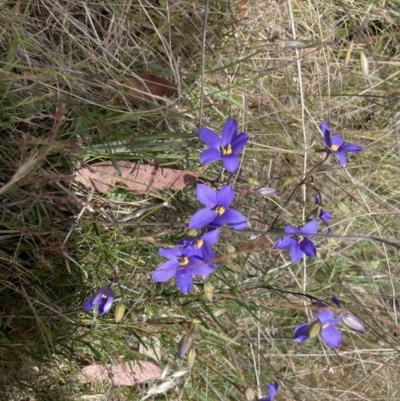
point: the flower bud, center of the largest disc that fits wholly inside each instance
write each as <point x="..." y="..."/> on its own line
<point x="267" y="191"/>
<point x="184" y="346"/>
<point x="191" y="358"/>
<point x="208" y="291"/>
<point x="364" y="65"/>
<point x="249" y="394"/>
<point x="219" y="311"/>
<point x="352" y="321"/>
<point x="194" y="323"/>
<point x="314" y="329"/>
<point x="119" y="312"/>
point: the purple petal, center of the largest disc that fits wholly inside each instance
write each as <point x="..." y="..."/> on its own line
<point x="96" y="298"/>
<point x="325" y="216"/>
<point x="301" y="332"/>
<point x="188" y="251"/>
<point x="107" y="291"/>
<point x="239" y="143"/>
<point x="231" y="163"/>
<point x="229" y="131"/>
<point x="170" y="253"/>
<point x="235" y="219"/>
<point x="337" y="140"/>
<point x="206" y="195"/>
<point x="211" y="237"/>
<point x="342" y="158"/>
<point x="336" y="320"/>
<point x="295" y="252"/>
<point x="292" y="230"/>
<point x="326" y="132"/>
<point x="198" y="251"/>
<point x="272" y="388"/>
<point x="105" y="306"/>
<point x="284" y="242"/>
<point x="89" y="305"/>
<point x="336" y="302"/>
<point x="184" y="279"/>
<point x="310" y="228"/>
<point x="325" y="316"/>
<point x="350" y="147"/>
<point x="218" y="221"/>
<point x="165" y="271"/>
<point x="308" y="247"/>
<point x="318" y="199"/>
<point x="225" y="196"/>
<point x="202" y="218"/>
<point x="332" y="336"/>
<point x="207" y="254"/>
<point x="210" y="138"/>
<point x="202" y="269"/>
<point x="210" y="155"/>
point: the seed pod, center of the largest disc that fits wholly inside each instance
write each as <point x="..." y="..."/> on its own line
<point x="352" y="321"/>
<point x="191" y="358"/>
<point x="314" y="329"/>
<point x="184" y="346"/>
<point x="231" y="249"/>
<point x="249" y="394"/>
<point x="208" y="291"/>
<point x="252" y="181"/>
<point x="192" y="233"/>
<point x="119" y="312"/>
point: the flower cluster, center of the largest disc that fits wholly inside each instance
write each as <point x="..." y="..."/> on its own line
<point x="194" y="256"/>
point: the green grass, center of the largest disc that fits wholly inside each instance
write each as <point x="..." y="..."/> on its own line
<point x="278" y="68"/>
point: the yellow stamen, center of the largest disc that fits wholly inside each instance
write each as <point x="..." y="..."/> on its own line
<point x="199" y="243"/>
<point x="300" y="238"/>
<point x="227" y="150"/>
<point x="184" y="261"/>
<point x="324" y="326"/>
<point x="104" y="296"/>
<point x="334" y="147"/>
<point x="220" y="210"/>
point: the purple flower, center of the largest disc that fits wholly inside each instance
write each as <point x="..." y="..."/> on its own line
<point x="272" y="390"/>
<point x="318" y="211"/>
<point x="201" y="245"/>
<point x="183" y="264"/>
<point x="336" y="145"/>
<point x="225" y="148"/>
<point x="299" y="244"/>
<point x="327" y="321"/>
<point x="217" y="212"/>
<point x="102" y="299"/>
